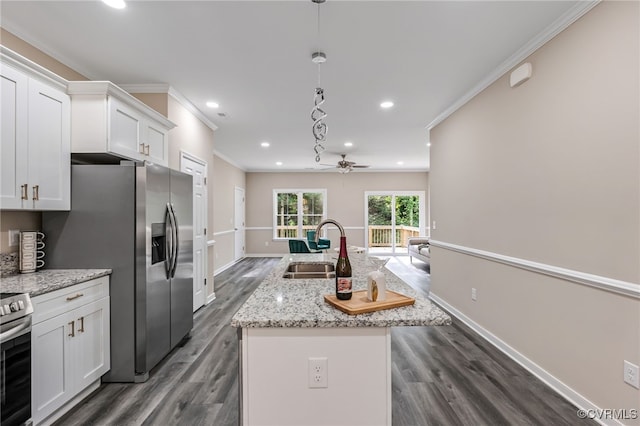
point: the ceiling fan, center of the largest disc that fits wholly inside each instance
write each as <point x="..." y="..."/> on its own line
<point x="345" y="166"/>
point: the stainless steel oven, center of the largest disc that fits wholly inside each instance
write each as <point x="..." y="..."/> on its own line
<point x="15" y="358"/>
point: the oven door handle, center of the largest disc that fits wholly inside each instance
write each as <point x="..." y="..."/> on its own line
<point x="23" y="327"/>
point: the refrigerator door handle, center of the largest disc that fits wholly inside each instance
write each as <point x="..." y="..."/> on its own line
<point x="168" y="244"/>
<point x="176" y="239"/>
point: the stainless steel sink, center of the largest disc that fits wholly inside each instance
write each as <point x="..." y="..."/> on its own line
<point x="309" y="270"/>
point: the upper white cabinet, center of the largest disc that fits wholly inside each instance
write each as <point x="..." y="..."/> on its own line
<point x="108" y="120"/>
<point x="35" y="139"/>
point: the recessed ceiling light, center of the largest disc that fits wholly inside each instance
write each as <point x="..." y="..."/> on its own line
<point x="386" y="104"/>
<point x="400" y="163"/>
<point x="278" y="163"/>
<point x="265" y="144"/>
<point x="348" y="144"/>
<point x="116" y="4"/>
<point x="212" y="104"/>
<point x="428" y="143"/>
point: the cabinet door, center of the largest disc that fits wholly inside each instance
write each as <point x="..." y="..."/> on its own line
<point x="91" y="342"/>
<point x="13" y="137"/>
<point x="49" y="148"/>
<point x="50" y="366"/>
<point x="125" y="130"/>
<point x="156" y="139"/>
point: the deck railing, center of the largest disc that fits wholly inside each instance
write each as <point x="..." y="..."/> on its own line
<point x="292" y="231"/>
<point x="379" y="235"/>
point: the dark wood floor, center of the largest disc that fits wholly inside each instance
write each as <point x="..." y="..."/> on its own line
<point x="440" y="375"/>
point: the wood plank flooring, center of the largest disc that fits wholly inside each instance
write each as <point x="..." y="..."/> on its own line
<point x="440" y="375"/>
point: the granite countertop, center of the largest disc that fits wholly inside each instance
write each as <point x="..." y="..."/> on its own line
<point x="47" y="280"/>
<point x="280" y="302"/>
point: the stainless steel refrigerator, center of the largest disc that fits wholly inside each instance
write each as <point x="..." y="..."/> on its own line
<point x="137" y="220"/>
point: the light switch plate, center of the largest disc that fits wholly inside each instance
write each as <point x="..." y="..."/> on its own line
<point x="631" y="374"/>
<point x="14" y="237"/>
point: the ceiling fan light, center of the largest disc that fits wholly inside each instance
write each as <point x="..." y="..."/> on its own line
<point x="386" y="104"/>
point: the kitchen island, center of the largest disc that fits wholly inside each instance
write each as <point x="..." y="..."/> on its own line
<point x="304" y="362"/>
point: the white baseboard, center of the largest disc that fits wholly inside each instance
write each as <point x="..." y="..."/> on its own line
<point x="265" y="254"/>
<point x="210" y="298"/>
<point x="554" y="383"/>
<point x="225" y="267"/>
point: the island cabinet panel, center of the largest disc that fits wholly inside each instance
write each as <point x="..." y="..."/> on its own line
<point x="70" y="343"/>
<point x="108" y="120"/>
<point x="276" y="384"/>
<point x="34" y="142"/>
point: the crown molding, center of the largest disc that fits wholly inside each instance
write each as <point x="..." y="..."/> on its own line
<point x="18" y="61"/>
<point x="166" y="88"/>
<point x="560" y="24"/>
<point x="105" y="88"/>
<point x="228" y="160"/>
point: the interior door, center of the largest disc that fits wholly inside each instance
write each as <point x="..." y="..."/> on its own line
<point x="239" y="224"/>
<point x="198" y="169"/>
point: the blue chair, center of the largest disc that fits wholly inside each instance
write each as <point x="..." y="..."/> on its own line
<point x="321" y="245"/>
<point x="298" y="246"/>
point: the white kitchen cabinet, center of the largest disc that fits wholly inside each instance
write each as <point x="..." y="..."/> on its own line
<point x="70" y="346"/>
<point x="35" y="140"/>
<point x="108" y="120"/>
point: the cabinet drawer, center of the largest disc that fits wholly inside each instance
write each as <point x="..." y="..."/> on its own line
<point x="60" y="301"/>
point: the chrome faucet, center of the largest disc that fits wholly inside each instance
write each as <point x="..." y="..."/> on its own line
<point x="324" y="222"/>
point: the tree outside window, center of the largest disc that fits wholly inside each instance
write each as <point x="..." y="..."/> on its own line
<point x="298" y="211"/>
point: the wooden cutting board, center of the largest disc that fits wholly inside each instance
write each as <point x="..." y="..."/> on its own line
<point x="358" y="304"/>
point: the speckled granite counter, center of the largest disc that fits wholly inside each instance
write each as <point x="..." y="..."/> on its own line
<point x="280" y="302"/>
<point x="47" y="280"/>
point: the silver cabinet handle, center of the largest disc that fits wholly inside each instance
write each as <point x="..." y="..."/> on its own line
<point x="146" y="150"/>
<point x="73" y="332"/>
<point x="81" y="329"/>
<point x="141" y="148"/>
<point x="36" y="192"/>
<point x="75" y="297"/>
<point x="24" y="188"/>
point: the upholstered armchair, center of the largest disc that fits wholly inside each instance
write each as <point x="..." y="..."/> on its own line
<point x="321" y="245"/>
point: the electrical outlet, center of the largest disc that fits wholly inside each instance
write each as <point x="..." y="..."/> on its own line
<point x="434" y="225"/>
<point x="14" y="237"/>
<point x="318" y="373"/>
<point x="631" y="374"/>
<point x="266" y="243"/>
<point x="474" y="294"/>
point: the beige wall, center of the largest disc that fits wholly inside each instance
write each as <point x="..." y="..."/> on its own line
<point x="157" y="101"/>
<point x="549" y="172"/>
<point x="28" y="220"/>
<point x="345" y="202"/>
<point x="226" y="178"/>
<point x="38" y="56"/>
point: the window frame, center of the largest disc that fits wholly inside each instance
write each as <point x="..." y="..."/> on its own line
<point x="300" y="215"/>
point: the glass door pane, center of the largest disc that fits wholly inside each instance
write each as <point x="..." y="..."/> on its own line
<point x="407" y="220"/>
<point x="379" y="224"/>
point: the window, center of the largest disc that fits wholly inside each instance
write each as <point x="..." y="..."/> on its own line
<point x="297" y="211"/>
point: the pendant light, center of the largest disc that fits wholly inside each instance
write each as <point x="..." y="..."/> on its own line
<point x="317" y="113"/>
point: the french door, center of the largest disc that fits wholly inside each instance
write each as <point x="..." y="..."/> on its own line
<point x="391" y="218"/>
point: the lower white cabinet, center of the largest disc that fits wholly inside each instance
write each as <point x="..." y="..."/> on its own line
<point x="70" y="346"/>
